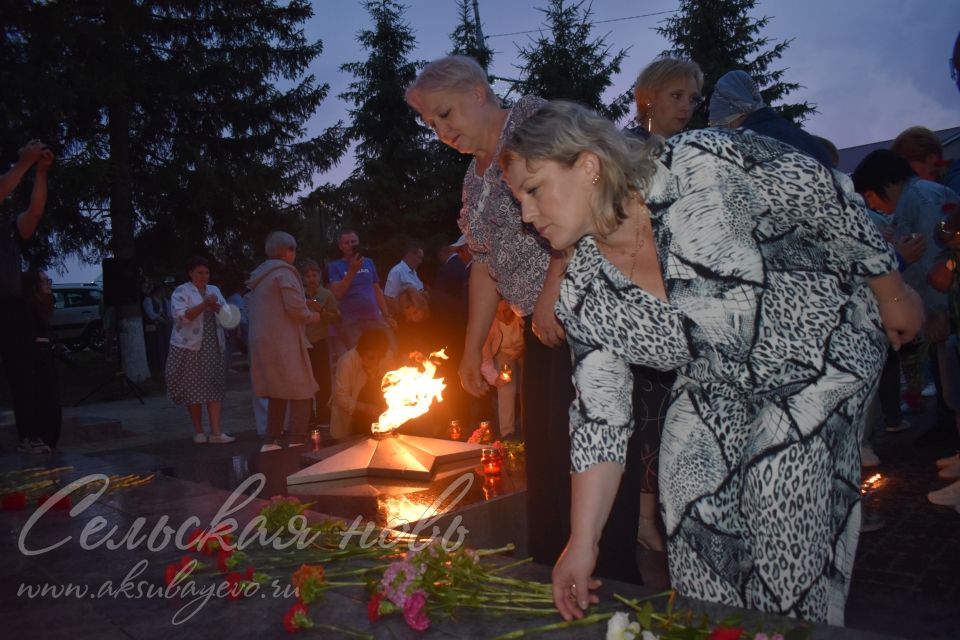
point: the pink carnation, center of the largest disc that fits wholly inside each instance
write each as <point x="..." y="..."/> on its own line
<point x="415" y="611"/>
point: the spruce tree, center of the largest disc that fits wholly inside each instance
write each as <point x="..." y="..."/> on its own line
<point x="393" y="191"/>
<point x="721" y="36"/>
<point x="465" y="38"/>
<point x="568" y="62"/>
<point x="172" y="135"/>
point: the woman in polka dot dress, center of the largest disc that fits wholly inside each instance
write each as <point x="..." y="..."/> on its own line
<point x="196" y="372"/>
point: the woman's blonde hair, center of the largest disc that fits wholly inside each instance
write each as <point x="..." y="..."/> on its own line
<point x="451" y="73"/>
<point x="658" y="73"/>
<point x="560" y="131"/>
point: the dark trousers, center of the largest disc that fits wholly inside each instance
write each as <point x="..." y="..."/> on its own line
<point x="16" y="352"/>
<point x="47" y="412"/>
<point x="944" y="431"/>
<point x="888" y="391"/>
<point x="545" y="396"/>
<point x="320" y="363"/>
<point x="299" y="417"/>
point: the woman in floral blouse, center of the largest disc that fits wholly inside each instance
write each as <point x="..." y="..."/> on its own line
<point x="755" y="272"/>
<point x="454" y="98"/>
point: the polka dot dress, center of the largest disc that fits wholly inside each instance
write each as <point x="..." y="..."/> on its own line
<point x="197" y="376"/>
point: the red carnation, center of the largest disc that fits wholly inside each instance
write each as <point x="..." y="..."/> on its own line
<point x="170" y="574"/>
<point x="235" y="584"/>
<point x="194" y="539"/>
<point x="373" y="607"/>
<point x="726" y="633"/>
<point x="16" y="501"/>
<point x="298" y="617"/>
<point x="182" y="566"/>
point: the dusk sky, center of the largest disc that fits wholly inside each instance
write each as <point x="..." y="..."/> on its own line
<point x="872" y="67"/>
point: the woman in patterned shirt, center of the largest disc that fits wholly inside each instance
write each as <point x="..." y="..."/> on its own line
<point x="454" y="98"/>
<point x="748" y="267"/>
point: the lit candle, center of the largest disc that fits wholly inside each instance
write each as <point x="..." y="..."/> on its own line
<point x="491" y="459"/>
<point x="315" y="437"/>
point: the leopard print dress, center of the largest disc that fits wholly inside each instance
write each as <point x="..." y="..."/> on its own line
<point x="778" y="344"/>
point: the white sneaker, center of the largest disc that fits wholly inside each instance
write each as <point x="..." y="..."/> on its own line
<point x="949" y="461"/>
<point x="868" y="458"/>
<point x="200" y="438"/>
<point x="948" y="496"/>
<point x="950" y="473"/>
<point x="221" y="438"/>
<point x="929" y="391"/>
<point x="270" y="446"/>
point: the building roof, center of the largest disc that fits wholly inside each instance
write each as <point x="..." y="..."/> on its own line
<point x="851" y="156"/>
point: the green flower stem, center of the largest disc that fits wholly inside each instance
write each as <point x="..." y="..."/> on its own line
<point x="357" y="572"/>
<point x="667" y="620"/>
<point x="507" y="609"/>
<point x="557" y="626"/>
<point x="632" y="603"/>
<point x="500" y="597"/>
<point x="492" y="552"/>
<point x="522" y="584"/>
<point x="505" y="567"/>
<point x="345" y="584"/>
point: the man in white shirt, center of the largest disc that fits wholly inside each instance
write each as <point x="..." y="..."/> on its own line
<point x="403" y="276"/>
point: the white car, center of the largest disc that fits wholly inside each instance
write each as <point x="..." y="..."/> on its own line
<point x="77" y="321"/>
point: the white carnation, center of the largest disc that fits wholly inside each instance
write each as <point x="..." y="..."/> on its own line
<point x="617" y="627"/>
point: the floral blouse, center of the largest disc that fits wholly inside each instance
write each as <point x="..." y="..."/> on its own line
<point x="515" y="255"/>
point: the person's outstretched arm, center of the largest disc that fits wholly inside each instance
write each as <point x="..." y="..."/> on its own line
<point x="29" y="154"/>
<point x="28" y="220"/>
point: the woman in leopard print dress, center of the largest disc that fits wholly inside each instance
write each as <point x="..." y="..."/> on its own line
<point x="753" y="271"/>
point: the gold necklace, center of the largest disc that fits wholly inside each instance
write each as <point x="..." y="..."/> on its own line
<point x="634" y="254"/>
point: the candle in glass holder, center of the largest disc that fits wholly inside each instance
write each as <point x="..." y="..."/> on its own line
<point x="491" y="460"/>
<point x="315" y="438"/>
<point x="454" y="431"/>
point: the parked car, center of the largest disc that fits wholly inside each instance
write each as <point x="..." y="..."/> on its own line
<point x="77" y="321"/>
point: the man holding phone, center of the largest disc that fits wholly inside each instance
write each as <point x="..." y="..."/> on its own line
<point x="356" y="285"/>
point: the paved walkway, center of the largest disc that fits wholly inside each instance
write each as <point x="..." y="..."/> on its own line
<point x="907" y="576"/>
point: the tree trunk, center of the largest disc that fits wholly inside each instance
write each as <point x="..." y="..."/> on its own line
<point x="133" y="352"/>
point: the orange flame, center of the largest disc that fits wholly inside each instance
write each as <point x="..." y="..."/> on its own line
<point x="870" y="483"/>
<point x="409" y="391"/>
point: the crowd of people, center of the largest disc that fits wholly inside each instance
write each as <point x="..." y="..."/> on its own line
<point x="660" y="271"/>
<point x="699" y="328"/>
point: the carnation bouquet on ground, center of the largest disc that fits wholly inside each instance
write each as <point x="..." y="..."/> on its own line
<point x="22" y="487"/>
<point x="422" y="581"/>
